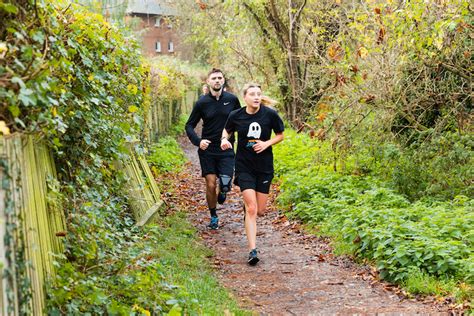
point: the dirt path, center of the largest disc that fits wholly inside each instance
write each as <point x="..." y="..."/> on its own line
<point x="297" y="274"/>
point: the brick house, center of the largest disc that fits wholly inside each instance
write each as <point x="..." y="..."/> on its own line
<point x="154" y="21"/>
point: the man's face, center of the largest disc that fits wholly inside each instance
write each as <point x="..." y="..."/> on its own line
<point x="216" y="81"/>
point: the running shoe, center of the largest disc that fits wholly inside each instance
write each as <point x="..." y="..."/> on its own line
<point x="221" y="196"/>
<point x="214" y="223"/>
<point x="253" y="258"/>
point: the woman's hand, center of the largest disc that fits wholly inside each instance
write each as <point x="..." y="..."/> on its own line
<point x="260" y="146"/>
<point x="225" y="144"/>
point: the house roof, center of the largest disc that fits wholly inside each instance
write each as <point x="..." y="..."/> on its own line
<point x="153" y="7"/>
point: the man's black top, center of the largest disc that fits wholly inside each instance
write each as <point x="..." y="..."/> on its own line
<point x="214" y="114"/>
<point x="251" y="127"/>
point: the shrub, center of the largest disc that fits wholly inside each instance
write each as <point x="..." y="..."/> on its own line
<point x="373" y="220"/>
<point x="166" y="155"/>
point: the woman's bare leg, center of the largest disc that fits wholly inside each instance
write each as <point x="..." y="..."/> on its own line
<point x="250" y="202"/>
<point x="261" y="203"/>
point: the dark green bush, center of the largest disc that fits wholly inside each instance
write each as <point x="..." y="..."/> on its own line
<point x="438" y="166"/>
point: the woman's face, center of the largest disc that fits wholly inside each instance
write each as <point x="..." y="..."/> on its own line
<point x="253" y="97"/>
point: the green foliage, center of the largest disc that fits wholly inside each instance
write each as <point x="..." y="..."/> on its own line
<point x="435" y="166"/>
<point x="437" y="239"/>
<point x="303" y="151"/>
<point x="400" y="96"/>
<point x="372" y="220"/>
<point x="178" y="128"/>
<point x="79" y="82"/>
<point x="142" y="278"/>
<point x="168" y="96"/>
<point x="172" y="77"/>
<point x="419" y="282"/>
<point x="74" y="79"/>
<point x="439" y="166"/>
<point x="166" y="155"/>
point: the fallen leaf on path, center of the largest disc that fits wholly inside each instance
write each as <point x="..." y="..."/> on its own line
<point x="280" y="219"/>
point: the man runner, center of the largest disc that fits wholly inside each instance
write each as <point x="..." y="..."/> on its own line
<point x="213" y="109"/>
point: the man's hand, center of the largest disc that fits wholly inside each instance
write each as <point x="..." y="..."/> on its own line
<point x="204" y="144"/>
<point x="225" y="144"/>
<point x="260" y="146"/>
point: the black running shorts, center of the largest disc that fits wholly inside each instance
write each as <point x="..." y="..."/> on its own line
<point x="216" y="162"/>
<point x="259" y="182"/>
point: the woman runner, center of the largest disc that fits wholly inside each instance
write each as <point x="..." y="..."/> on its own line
<point x="254" y="124"/>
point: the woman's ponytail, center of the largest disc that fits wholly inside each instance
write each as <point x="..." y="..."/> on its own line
<point x="267" y="101"/>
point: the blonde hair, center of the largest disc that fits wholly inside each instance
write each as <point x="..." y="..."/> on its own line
<point x="266" y="101"/>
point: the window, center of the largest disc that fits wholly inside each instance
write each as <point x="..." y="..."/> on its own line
<point x="158" y="47"/>
<point x="158" y="21"/>
<point x="170" y="47"/>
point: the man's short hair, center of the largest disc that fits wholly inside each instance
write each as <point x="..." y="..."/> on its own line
<point x="214" y="70"/>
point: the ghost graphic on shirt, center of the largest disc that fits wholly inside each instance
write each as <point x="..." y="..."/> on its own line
<point x="254" y="130"/>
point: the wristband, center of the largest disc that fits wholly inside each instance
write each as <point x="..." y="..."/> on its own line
<point x="222" y="138"/>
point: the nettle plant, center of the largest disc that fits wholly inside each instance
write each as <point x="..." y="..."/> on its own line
<point x="371" y="220"/>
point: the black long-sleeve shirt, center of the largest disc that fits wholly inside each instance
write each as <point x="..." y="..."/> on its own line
<point x="214" y="114"/>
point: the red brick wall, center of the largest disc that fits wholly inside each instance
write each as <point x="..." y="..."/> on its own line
<point x="152" y="34"/>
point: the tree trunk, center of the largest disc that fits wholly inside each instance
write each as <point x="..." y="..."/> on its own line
<point x="288" y="40"/>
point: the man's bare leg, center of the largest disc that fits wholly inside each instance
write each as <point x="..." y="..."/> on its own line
<point x="211" y="198"/>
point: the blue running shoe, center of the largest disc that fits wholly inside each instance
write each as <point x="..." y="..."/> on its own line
<point x="253" y="258"/>
<point x="214" y="223"/>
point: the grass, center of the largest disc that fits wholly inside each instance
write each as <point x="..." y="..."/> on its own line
<point x="185" y="263"/>
<point x="419" y="282"/>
